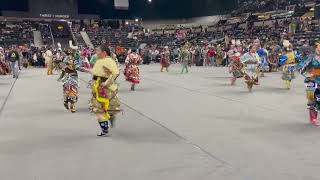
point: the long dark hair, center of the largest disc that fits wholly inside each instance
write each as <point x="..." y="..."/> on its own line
<point x="104" y="47"/>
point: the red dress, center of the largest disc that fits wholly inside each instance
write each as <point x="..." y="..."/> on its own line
<point x="4" y="66"/>
<point x="165" y="59"/>
<point x="131" y="71"/>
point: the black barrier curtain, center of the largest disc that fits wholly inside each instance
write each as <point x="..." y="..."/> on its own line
<point x="54" y="7"/>
<point x="95" y="6"/>
<point x="157" y="9"/>
<point x="14" y="5"/>
<point x="160" y="9"/>
<point x="104" y="8"/>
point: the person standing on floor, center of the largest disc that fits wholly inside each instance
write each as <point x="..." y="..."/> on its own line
<point x="105" y="102"/>
<point x="165" y="59"/>
<point x="219" y="56"/>
<point x="211" y="55"/>
<point x="70" y="79"/>
<point x="131" y="71"/>
<point x="48" y="56"/>
<point x="14" y="59"/>
<point x="205" y="56"/>
<point x="185" y="58"/>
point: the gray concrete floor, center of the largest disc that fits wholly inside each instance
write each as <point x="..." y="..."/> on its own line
<point x="191" y="126"/>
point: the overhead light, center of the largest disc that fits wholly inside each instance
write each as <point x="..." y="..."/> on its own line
<point x="136" y="19"/>
<point x="149" y="1"/>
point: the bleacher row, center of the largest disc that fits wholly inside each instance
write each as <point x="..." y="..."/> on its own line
<point x="78" y="37"/>
<point x="12" y="34"/>
<point x="19" y="33"/>
<point x="112" y="36"/>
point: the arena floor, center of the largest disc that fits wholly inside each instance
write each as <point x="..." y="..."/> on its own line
<point x="191" y="126"/>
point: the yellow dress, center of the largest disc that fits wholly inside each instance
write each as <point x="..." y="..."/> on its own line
<point x="291" y="58"/>
<point x="108" y="63"/>
<point x="289" y="69"/>
<point x="104" y="88"/>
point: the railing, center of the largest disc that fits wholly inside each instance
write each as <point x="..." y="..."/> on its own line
<point x="51" y="34"/>
<point x="72" y="34"/>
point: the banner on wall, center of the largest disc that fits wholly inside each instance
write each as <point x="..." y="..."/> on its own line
<point x="53" y="8"/>
<point x="121" y="4"/>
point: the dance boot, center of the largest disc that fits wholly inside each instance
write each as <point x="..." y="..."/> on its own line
<point x="104" y="129"/>
<point x="288" y="84"/>
<point x="250" y="85"/>
<point x="313" y="117"/>
<point x="112" y="121"/>
<point x="256" y="81"/>
<point x="73" y="108"/>
<point x="132" y="87"/>
<point x="233" y="81"/>
<point x="66" y="105"/>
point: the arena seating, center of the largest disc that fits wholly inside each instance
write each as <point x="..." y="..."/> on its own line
<point x="15" y="33"/>
<point x="112" y="36"/>
<point x="76" y="34"/>
<point x="253" y="6"/>
<point x="44" y="28"/>
<point x="239" y="28"/>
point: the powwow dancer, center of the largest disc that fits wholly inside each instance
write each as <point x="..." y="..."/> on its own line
<point x="310" y="68"/>
<point x="4" y="66"/>
<point x="105" y="102"/>
<point x="274" y="58"/>
<point x="264" y="62"/>
<point x="69" y="77"/>
<point x="251" y="69"/>
<point x="205" y="57"/>
<point x="58" y="60"/>
<point x="235" y="68"/>
<point x="48" y="56"/>
<point x="131" y="71"/>
<point x="219" y="56"/>
<point x="165" y="59"/>
<point x="288" y="61"/>
<point x="185" y="58"/>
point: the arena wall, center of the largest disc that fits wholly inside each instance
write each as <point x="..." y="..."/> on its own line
<point x="207" y="20"/>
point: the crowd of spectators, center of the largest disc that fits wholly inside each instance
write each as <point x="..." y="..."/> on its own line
<point x="15" y="33"/>
<point x="128" y="35"/>
<point x="254" y="6"/>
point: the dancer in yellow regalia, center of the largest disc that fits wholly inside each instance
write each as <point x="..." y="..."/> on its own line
<point x="105" y="102"/>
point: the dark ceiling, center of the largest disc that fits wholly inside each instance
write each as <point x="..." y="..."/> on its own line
<point x="157" y="9"/>
<point x="180" y="8"/>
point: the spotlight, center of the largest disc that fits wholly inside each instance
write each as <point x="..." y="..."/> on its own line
<point x="137" y="20"/>
<point x="149" y="1"/>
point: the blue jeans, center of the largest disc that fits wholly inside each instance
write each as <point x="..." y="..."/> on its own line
<point x="14" y="69"/>
<point x="213" y="61"/>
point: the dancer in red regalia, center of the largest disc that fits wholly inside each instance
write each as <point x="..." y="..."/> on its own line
<point x="131" y="71"/>
<point x="165" y="59"/>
